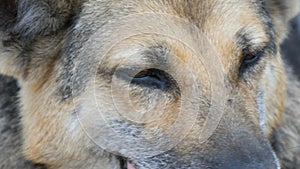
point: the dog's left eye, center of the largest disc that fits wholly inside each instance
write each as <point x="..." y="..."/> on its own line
<point x="250" y="59"/>
<point x="143" y="74"/>
<point x="152" y="78"/>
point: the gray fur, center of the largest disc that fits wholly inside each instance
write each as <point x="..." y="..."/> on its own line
<point x="39" y="17"/>
<point x="10" y="129"/>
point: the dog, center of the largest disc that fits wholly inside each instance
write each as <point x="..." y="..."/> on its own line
<point x="152" y="84"/>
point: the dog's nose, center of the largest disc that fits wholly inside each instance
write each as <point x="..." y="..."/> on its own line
<point x="248" y="153"/>
<point x="239" y="162"/>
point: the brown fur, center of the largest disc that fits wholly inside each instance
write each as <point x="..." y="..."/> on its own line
<point x="58" y="70"/>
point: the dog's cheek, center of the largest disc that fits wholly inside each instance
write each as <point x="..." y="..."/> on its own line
<point x="10" y="64"/>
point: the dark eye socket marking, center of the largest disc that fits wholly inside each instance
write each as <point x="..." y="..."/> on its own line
<point x="253" y="49"/>
<point x="254" y="46"/>
<point x="151" y="78"/>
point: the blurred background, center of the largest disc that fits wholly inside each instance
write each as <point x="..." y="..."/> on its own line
<point x="291" y="46"/>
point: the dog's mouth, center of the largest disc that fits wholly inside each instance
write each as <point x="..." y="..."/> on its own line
<point x="126" y="163"/>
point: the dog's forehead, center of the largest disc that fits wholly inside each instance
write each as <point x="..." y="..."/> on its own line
<point x="197" y="12"/>
<point x="222" y="22"/>
<point x="219" y="20"/>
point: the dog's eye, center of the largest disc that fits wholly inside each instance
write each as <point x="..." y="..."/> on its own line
<point x="152" y="78"/>
<point x="250" y="59"/>
<point x="143" y="73"/>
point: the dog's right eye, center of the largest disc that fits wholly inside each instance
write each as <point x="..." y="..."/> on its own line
<point x="151" y="78"/>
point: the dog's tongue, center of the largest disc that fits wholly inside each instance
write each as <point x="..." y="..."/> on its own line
<point x="130" y="165"/>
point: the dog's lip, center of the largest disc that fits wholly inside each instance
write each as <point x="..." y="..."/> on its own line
<point x="127" y="164"/>
<point x="130" y="165"/>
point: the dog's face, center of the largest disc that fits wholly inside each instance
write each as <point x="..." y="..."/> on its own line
<point x="153" y="84"/>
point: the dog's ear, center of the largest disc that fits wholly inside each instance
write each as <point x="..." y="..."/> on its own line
<point x="31" y="18"/>
<point x="42" y="17"/>
<point x="282" y="11"/>
<point x="24" y="22"/>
